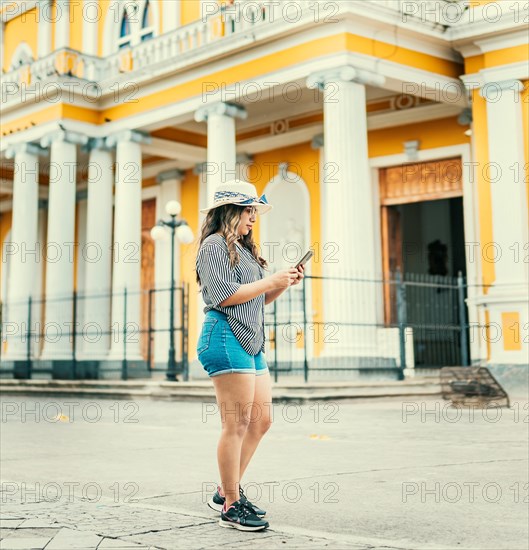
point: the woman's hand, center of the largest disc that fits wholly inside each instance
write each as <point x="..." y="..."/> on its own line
<point x="300" y="275"/>
<point x="284" y="278"/>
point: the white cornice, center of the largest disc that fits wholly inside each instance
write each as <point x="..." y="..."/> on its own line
<point x="10" y="9"/>
<point x="513" y="71"/>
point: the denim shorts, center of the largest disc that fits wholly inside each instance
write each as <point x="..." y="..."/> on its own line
<point x="220" y="352"/>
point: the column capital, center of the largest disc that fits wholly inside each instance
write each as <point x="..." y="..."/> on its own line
<point x="493" y="90"/>
<point x="64" y="136"/>
<point x="243" y="158"/>
<point x="170" y="175"/>
<point x="133" y="136"/>
<point x="28" y="148"/>
<point x="345" y="73"/>
<point x="95" y="144"/>
<point x="221" y="108"/>
<point x="318" y="141"/>
<point x="200" y="168"/>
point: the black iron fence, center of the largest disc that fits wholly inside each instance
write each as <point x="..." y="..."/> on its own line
<point x="350" y="327"/>
<point x="83" y="341"/>
<point x="367" y="327"/>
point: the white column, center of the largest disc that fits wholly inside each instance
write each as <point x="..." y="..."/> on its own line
<point x="59" y="255"/>
<point x="348" y="221"/>
<point x="98" y="254"/>
<point x="44" y="28"/>
<point x="24" y="251"/>
<point x="127" y="245"/>
<point x="170" y="189"/>
<point x="506" y="174"/>
<point x="62" y="24"/>
<point x="221" y="154"/>
<point x="171" y="15"/>
<point x="91" y="13"/>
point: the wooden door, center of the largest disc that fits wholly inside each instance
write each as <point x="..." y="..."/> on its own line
<point x="391" y="258"/>
<point x="404" y="184"/>
<point x="148" y="220"/>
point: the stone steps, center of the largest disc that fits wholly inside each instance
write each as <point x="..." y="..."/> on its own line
<point x="204" y="391"/>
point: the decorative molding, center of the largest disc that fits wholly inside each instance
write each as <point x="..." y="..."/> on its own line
<point x="95" y="143"/>
<point x="411" y="149"/>
<point x="465" y="118"/>
<point x="134" y="136"/>
<point x="170" y="175"/>
<point x="513" y="71"/>
<point x="64" y="135"/>
<point x="243" y="158"/>
<point x="345" y="73"/>
<point x="221" y="108"/>
<point x="199" y="168"/>
<point x="283" y="170"/>
<point x="29" y="148"/>
<point x="318" y="141"/>
<point x="492" y="90"/>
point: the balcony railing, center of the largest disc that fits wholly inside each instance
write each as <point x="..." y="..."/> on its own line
<point x="180" y="45"/>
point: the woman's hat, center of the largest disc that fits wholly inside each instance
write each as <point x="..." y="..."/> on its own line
<point x="241" y="193"/>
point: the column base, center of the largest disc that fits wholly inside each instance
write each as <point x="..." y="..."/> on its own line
<point x="67" y="369"/>
<point x="112" y="369"/>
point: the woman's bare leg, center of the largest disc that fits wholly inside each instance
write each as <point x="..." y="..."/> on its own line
<point x="260" y="419"/>
<point x="235" y="393"/>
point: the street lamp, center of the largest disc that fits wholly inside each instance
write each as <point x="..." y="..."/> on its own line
<point x="185" y="236"/>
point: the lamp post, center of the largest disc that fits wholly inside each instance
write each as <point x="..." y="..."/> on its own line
<point x="180" y="228"/>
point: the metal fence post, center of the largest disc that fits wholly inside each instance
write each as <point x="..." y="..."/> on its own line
<point x="74" y="336"/>
<point x="275" y="341"/>
<point x="401" y="320"/>
<point x="29" y="364"/>
<point x="185" y="359"/>
<point x="150" y="330"/>
<point x="124" y="362"/>
<point x="305" y="360"/>
<point x="462" y="319"/>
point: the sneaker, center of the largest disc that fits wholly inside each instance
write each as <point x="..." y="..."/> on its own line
<point x="240" y="516"/>
<point x="255" y="509"/>
<point x="216" y="502"/>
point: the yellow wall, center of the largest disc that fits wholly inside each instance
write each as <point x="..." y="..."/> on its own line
<point x="21" y="29"/>
<point x="5" y="225"/>
<point x="76" y="25"/>
<point x="190" y="11"/>
<point x="525" y="115"/>
<point x="189" y="201"/>
<point x="481" y="146"/>
<point x="437" y="133"/>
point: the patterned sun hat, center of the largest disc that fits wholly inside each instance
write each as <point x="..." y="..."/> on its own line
<point x="238" y="192"/>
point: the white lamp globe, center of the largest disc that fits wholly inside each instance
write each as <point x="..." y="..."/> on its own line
<point x="184" y="234"/>
<point x="158" y="233"/>
<point x="173" y="208"/>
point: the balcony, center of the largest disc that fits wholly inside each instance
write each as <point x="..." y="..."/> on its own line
<point x="219" y="33"/>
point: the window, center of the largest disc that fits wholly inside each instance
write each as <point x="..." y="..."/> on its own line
<point x="137" y="23"/>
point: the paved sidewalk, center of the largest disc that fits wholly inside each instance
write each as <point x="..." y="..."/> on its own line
<point x="415" y="474"/>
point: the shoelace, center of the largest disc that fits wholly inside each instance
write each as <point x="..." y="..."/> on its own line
<point x="243" y="510"/>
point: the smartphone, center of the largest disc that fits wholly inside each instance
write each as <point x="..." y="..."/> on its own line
<point x="305" y="258"/>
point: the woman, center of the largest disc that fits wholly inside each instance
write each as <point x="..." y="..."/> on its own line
<point x="232" y="341"/>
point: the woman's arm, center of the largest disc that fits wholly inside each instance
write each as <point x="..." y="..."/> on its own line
<point x="273" y="295"/>
<point x="249" y="291"/>
<point x="274" y="285"/>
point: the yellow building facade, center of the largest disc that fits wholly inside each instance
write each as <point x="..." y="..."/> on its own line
<point x="375" y="128"/>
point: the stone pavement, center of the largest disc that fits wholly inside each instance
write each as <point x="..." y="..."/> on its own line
<point x="417" y="474"/>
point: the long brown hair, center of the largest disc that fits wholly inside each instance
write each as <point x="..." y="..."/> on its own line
<point x="225" y="220"/>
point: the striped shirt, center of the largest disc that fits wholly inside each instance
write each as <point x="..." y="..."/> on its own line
<point x="219" y="281"/>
